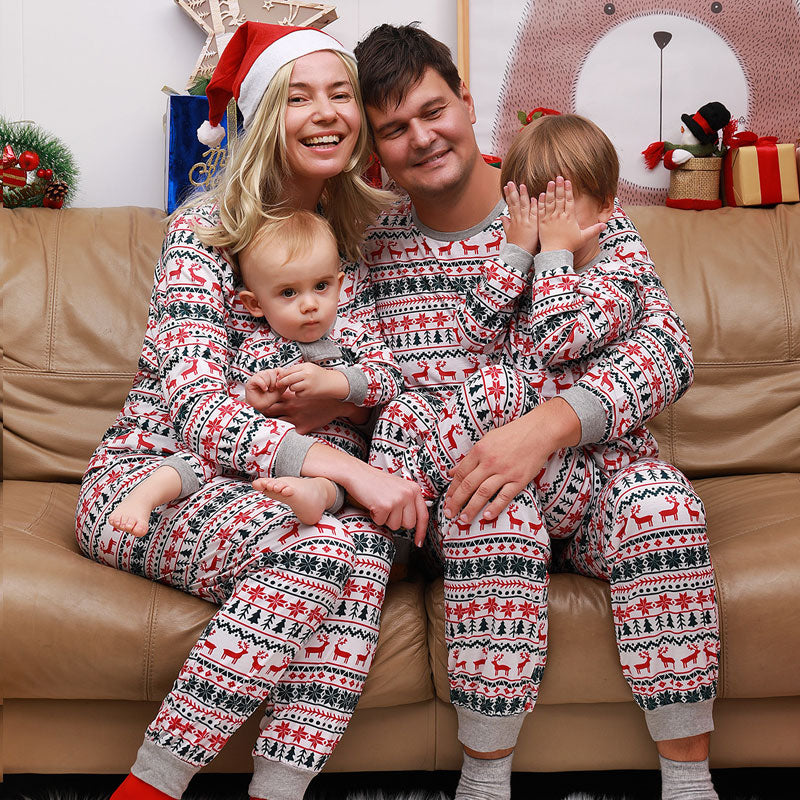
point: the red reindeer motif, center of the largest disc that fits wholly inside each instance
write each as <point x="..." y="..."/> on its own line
<point x="458" y="664"/>
<point x="498" y="667"/>
<point x="210" y="646"/>
<point x="142" y="442"/>
<point x="445" y="249"/>
<point x="523" y="662"/>
<point x="320" y="648"/>
<point x="670" y="512"/>
<point x="694" y="514"/>
<point x="276" y="669"/>
<point x="645" y="662"/>
<point x="476" y="365"/>
<point x="291" y="533"/>
<point x="235" y="655"/>
<point x="393" y="252"/>
<point x="338" y="652"/>
<point x="190" y="370"/>
<point x="560" y="386"/>
<point x="606" y="381"/>
<point x="107" y="550"/>
<point x="513" y="521"/>
<point x="481" y="661"/>
<point x="640" y="521"/>
<point x="443" y="373"/>
<point x="428" y="251"/>
<point x="483" y="523"/>
<point x="710" y="652"/>
<point x="692" y="657"/>
<point x="361" y="658"/>
<point x="450" y="435"/>
<point x="495" y="243"/>
<point x="198" y="279"/>
<point x="422" y="375"/>
<point x="257" y="665"/>
<point x="664" y="658"/>
<point x="377" y="251"/>
<point x="174" y="274"/>
<point x="470" y="248"/>
<point x="412" y="251"/>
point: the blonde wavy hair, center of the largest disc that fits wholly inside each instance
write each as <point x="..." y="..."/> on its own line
<point x="250" y="190"/>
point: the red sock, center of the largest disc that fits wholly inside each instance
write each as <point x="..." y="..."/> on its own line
<point x="132" y="788"/>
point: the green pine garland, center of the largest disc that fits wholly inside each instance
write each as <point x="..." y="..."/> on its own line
<point x="53" y="154"/>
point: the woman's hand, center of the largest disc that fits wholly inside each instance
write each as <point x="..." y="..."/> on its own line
<point x="308" y="413"/>
<point x="261" y="390"/>
<point x="507" y="459"/>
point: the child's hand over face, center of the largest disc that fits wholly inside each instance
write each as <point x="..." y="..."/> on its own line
<point x="559" y="228"/>
<point x="311" y="380"/>
<point x="521" y="225"/>
<point x="261" y="390"/>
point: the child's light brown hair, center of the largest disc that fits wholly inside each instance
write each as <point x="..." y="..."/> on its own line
<point x="567" y="145"/>
<point x="292" y="235"/>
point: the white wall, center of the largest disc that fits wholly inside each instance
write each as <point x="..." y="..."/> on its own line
<point x="90" y="72"/>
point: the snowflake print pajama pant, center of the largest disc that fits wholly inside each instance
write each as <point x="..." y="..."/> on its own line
<point x="641" y="528"/>
<point x="297" y="624"/>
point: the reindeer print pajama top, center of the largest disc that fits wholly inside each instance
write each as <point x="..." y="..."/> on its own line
<point x="481" y="339"/>
<point x="299" y="606"/>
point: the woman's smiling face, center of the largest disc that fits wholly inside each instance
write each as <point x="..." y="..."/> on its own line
<point x="322" y="117"/>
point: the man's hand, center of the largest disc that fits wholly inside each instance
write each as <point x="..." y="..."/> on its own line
<point x="507" y="459"/>
<point x="311" y="380"/>
<point x="559" y="228"/>
<point x="522" y="224"/>
<point x="261" y="390"/>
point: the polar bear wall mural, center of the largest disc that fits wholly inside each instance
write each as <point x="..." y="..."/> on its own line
<point x="634" y="67"/>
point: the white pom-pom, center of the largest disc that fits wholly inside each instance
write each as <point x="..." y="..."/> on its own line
<point x="210" y="135"/>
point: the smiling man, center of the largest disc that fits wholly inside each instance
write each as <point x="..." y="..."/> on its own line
<point x="435" y="268"/>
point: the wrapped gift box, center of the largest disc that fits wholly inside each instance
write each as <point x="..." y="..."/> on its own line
<point x="761" y="173"/>
<point x="189" y="163"/>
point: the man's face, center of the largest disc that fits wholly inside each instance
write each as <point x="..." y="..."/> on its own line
<point x="427" y="143"/>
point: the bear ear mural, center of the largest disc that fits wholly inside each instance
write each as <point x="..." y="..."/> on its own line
<point x="634" y="69"/>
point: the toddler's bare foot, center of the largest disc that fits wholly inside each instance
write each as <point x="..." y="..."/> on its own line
<point x="133" y="513"/>
<point x="307" y="497"/>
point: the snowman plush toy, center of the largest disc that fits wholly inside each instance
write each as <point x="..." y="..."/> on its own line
<point x="699" y="138"/>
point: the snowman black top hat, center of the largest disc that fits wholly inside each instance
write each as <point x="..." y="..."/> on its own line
<point x="709" y="119"/>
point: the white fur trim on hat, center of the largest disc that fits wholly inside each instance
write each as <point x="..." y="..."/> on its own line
<point x="210" y="135"/>
<point x="289" y="47"/>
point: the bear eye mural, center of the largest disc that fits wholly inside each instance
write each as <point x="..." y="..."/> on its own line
<point x="634" y="67"/>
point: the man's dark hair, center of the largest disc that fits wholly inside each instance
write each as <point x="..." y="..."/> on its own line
<point x="391" y="59"/>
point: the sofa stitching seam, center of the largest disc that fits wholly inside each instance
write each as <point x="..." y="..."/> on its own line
<point x="787" y="311"/>
<point x="44" y="510"/>
<point x="757" y="528"/>
<point x="54" y="295"/>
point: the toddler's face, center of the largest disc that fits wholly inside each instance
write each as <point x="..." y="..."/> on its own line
<point x="298" y="298"/>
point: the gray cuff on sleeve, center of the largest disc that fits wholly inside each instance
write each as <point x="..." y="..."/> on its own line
<point x="590" y="411"/>
<point x="290" y="454"/>
<point x="338" y="502"/>
<point x="487" y="734"/>
<point x="358" y="385"/>
<point x="680" y="720"/>
<point x="190" y="483"/>
<point x="552" y="259"/>
<point x="517" y="258"/>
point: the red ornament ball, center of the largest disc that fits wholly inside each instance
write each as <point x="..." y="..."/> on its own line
<point x="28" y="160"/>
<point x="47" y="174"/>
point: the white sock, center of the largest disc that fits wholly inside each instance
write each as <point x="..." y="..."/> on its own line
<point x="686" y="780"/>
<point x="485" y="779"/>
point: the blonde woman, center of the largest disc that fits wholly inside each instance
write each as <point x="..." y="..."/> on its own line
<point x="283" y="588"/>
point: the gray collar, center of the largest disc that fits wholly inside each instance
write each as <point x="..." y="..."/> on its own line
<point x="454" y="236"/>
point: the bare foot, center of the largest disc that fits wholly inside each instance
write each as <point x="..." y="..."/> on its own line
<point x="307" y="497"/>
<point x="133" y="513"/>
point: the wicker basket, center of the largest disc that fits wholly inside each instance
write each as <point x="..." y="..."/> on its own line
<point x="697" y="179"/>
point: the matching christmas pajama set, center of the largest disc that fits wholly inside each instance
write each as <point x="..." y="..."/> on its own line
<point x="481" y="339"/>
<point x="300" y="605"/>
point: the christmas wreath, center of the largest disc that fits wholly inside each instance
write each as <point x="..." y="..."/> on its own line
<point x="38" y="169"/>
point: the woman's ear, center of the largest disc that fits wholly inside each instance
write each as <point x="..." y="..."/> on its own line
<point x="251" y="303"/>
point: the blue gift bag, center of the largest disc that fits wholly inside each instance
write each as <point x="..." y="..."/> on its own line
<point x="189" y="163"/>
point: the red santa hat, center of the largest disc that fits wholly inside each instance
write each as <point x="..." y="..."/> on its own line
<point x="255" y="52"/>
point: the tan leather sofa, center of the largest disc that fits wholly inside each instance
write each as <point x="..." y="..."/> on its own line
<point x="90" y="651"/>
